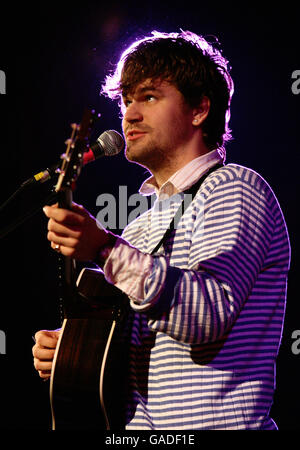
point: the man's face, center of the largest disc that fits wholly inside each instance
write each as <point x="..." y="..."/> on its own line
<point x="157" y="123"/>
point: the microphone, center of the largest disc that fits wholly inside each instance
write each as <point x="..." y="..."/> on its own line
<point x="108" y="143"/>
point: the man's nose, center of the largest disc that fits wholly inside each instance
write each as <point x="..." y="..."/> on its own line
<point x="133" y="113"/>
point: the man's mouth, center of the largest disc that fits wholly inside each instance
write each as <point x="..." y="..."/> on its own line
<point x="132" y="135"/>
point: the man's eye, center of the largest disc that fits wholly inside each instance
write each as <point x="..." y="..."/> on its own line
<point x="150" y="98"/>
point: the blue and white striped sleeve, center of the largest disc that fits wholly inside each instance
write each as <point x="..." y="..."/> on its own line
<point x="200" y="303"/>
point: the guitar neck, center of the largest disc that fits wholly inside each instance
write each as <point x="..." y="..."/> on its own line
<point x="72" y="161"/>
<point x="65" y="198"/>
<point x="67" y="265"/>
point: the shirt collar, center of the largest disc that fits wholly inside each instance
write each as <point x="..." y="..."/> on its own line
<point x="184" y="178"/>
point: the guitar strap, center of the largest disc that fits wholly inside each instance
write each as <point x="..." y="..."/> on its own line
<point x="184" y="205"/>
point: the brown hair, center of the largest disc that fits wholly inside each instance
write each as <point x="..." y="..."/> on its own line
<point x="190" y="63"/>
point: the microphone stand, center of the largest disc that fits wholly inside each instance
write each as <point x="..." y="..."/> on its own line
<point x="40" y="177"/>
<point x="50" y="197"/>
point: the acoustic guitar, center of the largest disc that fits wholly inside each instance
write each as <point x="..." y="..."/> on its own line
<point x="89" y="371"/>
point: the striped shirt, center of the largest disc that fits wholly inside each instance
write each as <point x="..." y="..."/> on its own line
<point x="209" y="307"/>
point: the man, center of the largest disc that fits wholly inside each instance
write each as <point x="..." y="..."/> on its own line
<point x="209" y="302"/>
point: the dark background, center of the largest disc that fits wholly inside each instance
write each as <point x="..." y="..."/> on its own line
<point x="55" y="57"/>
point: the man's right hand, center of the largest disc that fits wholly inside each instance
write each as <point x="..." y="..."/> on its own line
<point x="43" y="351"/>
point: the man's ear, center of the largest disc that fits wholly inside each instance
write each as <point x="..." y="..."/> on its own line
<point x="201" y="112"/>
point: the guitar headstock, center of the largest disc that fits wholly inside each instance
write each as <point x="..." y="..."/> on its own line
<point x="72" y="159"/>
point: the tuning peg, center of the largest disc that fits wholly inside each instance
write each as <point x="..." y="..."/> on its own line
<point x="65" y="157"/>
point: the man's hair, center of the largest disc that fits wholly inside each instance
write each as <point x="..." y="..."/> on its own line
<point x="191" y="64"/>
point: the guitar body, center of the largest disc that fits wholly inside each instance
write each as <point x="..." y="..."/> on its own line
<point x="89" y="373"/>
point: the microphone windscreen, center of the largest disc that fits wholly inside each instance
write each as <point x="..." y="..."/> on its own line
<point x="108" y="143"/>
<point x="111" y="142"/>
